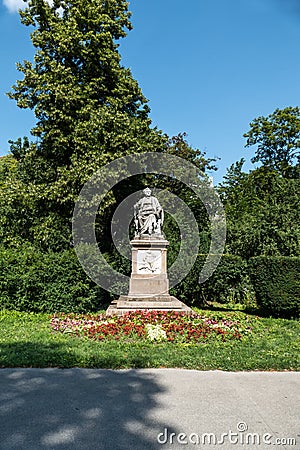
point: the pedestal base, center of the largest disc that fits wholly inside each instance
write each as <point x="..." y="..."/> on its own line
<point x="149" y="283"/>
<point x="127" y="304"/>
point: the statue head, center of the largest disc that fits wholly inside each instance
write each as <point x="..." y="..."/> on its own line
<point x="147" y="192"/>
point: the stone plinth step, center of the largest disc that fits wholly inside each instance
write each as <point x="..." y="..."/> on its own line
<point x="122" y="306"/>
<point x="148" y="298"/>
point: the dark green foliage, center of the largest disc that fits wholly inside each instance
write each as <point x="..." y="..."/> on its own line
<point x="262" y="207"/>
<point x="277" y="284"/>
<point x="23" y="214"/>
<point x="277" y="137"/>
<point x="262" y="212"/>
<point x="229" y="283"/>
<point x="89" y="111"/>
<point x="20" y="147"/>
<point x="46" y="282"/>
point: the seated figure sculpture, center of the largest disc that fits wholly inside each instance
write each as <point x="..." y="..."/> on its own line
<point x="148" y="215"/>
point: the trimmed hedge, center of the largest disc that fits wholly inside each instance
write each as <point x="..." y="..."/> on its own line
<point x="229" y="283"/>
<point x="33" y="281"/>
<point x="276" y="281"/>
<point x="46" y="282"/>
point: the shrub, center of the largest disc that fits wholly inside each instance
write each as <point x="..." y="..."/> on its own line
<point x="229" y="283"/>
<point x="277" y="284"/>
<point x="33" y="281"/>
<point x="46" y="282"/>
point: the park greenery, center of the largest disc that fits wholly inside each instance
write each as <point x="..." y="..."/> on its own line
<point x="90" y="111"/>
<point x="29" y="340"/>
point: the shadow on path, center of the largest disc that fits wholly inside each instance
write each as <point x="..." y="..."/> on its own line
<point x="78" y="409"/>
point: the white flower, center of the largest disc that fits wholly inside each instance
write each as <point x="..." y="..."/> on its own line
<point x="155" y="332"/>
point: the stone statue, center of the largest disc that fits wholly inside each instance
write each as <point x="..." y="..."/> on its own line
<point x="148" y="215"/>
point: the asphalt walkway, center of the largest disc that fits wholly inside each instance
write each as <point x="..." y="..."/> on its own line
<point x="93" y="409"/>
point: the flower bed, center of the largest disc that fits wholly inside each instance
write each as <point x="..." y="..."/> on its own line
<point x="154" y="326"/>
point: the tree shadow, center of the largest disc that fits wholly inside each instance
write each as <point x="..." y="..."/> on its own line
<point x="79" y="409"/>
<point x="64" y="355"/>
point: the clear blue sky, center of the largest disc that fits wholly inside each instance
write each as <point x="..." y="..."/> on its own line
<point x="208" y="67"/>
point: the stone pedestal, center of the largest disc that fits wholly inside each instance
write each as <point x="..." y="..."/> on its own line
<point x="149" y="284"/>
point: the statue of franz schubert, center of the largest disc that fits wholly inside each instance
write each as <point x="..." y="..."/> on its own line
<point x="148" y="215"/>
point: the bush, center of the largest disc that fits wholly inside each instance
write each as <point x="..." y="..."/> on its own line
<point x="229" y="283"/>
<point x="277" y="284"/>
<point x="46" y="282"/>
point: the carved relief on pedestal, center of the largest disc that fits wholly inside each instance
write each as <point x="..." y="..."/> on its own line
<point x="149" y="261"/>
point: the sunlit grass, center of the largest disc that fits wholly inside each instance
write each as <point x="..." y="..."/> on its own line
<point x="27" y="340"/>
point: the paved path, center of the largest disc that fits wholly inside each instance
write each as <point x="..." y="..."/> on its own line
<point x="91" y="409"/>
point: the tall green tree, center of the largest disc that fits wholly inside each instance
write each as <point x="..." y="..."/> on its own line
<point x="89" y="108"/>
<point x="277" y="137"/>
<point x="263" y="212"/>
<point x="262" y="207"/>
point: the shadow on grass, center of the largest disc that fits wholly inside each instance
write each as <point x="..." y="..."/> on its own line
<point x="69" y="354"/>
<point x="78" y="409"/>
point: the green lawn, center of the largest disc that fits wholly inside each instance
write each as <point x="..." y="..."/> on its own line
<point x="27" y="340"/>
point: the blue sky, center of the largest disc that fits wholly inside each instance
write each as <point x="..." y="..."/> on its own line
<point x="208" y="67"/>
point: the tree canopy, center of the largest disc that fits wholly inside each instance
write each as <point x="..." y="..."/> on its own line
<point x="262" y="206"/>
<point x="89" y="110"/>
<point x="277" y="137"/>
<point x="263" y="211"/>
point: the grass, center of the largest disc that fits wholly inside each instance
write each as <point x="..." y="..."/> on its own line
<point x="27" y="340"/>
